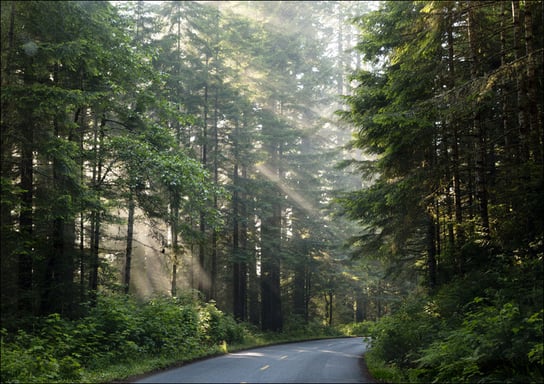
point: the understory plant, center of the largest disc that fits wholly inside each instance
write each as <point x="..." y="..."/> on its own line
<point x="116" y="330"/>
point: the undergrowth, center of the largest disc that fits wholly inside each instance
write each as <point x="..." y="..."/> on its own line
<point x="120" y="338"/>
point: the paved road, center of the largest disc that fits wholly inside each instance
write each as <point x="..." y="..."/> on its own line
<point x="319" y="361"/>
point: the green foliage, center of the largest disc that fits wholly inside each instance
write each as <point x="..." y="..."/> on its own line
<point x="397" y="338"/>
<point x="117" y="330"/>
<point x="493" y="343"/>
<point x="216" y="327"/>
<point x="296" y="327"/>
<point x="385" y="373"/>
<point x="121" y="337"/>
<point x="453" y="189"/>
<point x="363" y="328"/>
<point x="485" y="341"/>
<point x="44" y="358"/>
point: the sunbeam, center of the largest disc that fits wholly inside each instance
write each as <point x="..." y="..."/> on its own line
<point x="293" y="195"/>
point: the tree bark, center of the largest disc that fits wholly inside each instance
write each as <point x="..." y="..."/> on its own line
<point x="238" y="266"/>
<point x="270" y="270"/>
<point x="479" y="130"/>
<point x="96" y="213"/>
<point x="130" y="236"/>
<point x="272" y="319"/>
<point x="174" y="225"/>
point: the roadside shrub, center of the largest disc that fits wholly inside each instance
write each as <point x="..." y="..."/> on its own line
<point x="494" y="343"/>
<point x="363" y="328"/>
<point x="111" y="330"/>
<point x="396" y="339"/>
<point x="33" y="359"/>
<point x="168" y="326"/>
<point x="216" y="327"/>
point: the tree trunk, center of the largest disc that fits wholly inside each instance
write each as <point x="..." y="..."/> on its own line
<point x="523" y="151"/>
<point x="479" y="131"/>
<point x="204" y="158"/>
<point x="360" y="307"/>
<point x="329" y="305"/>
<point x="431" y="252"/>
<point x="535" y="144"/>
<point x="213" y="271"/>
<point x="299" y="283"/>
<point x="270" y="257"/>
<point x="299" y="289"/>
<point x="238" y="270"/>
<point x="96" y="213"/>
<point x="57" y="290"/>
<point x="456" y="178"/>
<point x="26" y="219"/>
<point x="174" y="225"/>
<point x="130" y="236"/>
<point x="253" y="283"/>
<point x="270" y="270"/>
<point x="26" y="213"/>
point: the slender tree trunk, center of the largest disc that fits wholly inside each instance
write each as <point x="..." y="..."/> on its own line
<point x="329" y="295"/>
<point x="299" y="289"/>
<point x="79" y="119"/>
<point x="96" y="215"/>
<point x="9" y="261"/>
<point x="299" y="283"/>
<point x="175" y="262"/>
<point x="271" y="238"/>
<point x="535" y="144"/>
<point x="254" y="310"/>
<point x="26" y="219"/>
<point x="243" y="291"/>
<point x="479" y="131"/>
<point x="506" y="131"/>
<point x="26" y="215"/>
<point x="431" y="252"/>
<point x="174" y="230"/>
<point x="204" y="158"/>
<point x="456" y="178"/>
<point x="523" y="131"/>
<point x="130" y="236"/>
<point x="379" y="307"/>
<point x="213" y="271"/>
<point x="238" y="280"/>
<point x="272" y="319"/>
<point x="360" y="307"/>
<point x="308" y="294"/>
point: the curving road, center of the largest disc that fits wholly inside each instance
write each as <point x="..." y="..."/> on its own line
<point x="318" y="361"/>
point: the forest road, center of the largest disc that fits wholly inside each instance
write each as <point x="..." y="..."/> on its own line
<point x="317" y="361"/>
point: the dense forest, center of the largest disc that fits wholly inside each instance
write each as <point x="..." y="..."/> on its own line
<point x="280" y="164"/>
<point x="452" y="110"/>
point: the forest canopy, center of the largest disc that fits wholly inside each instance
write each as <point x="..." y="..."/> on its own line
<point x="292" y="163"/>
<point x="164" y="147"/>
<point x="452" y="112"/>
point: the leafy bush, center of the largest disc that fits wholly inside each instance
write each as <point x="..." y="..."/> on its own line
<point x="494" y="343"/>
<point x="216" y="327"/>
<point x="33" y="359"/>
<point x="117" y="329"/>
<point x="396" y="339"/>
<point x="363" y="328"/>
<point x="168" y="326"/>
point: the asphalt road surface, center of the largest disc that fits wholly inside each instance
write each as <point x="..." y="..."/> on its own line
<point x="319" y="361"/>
